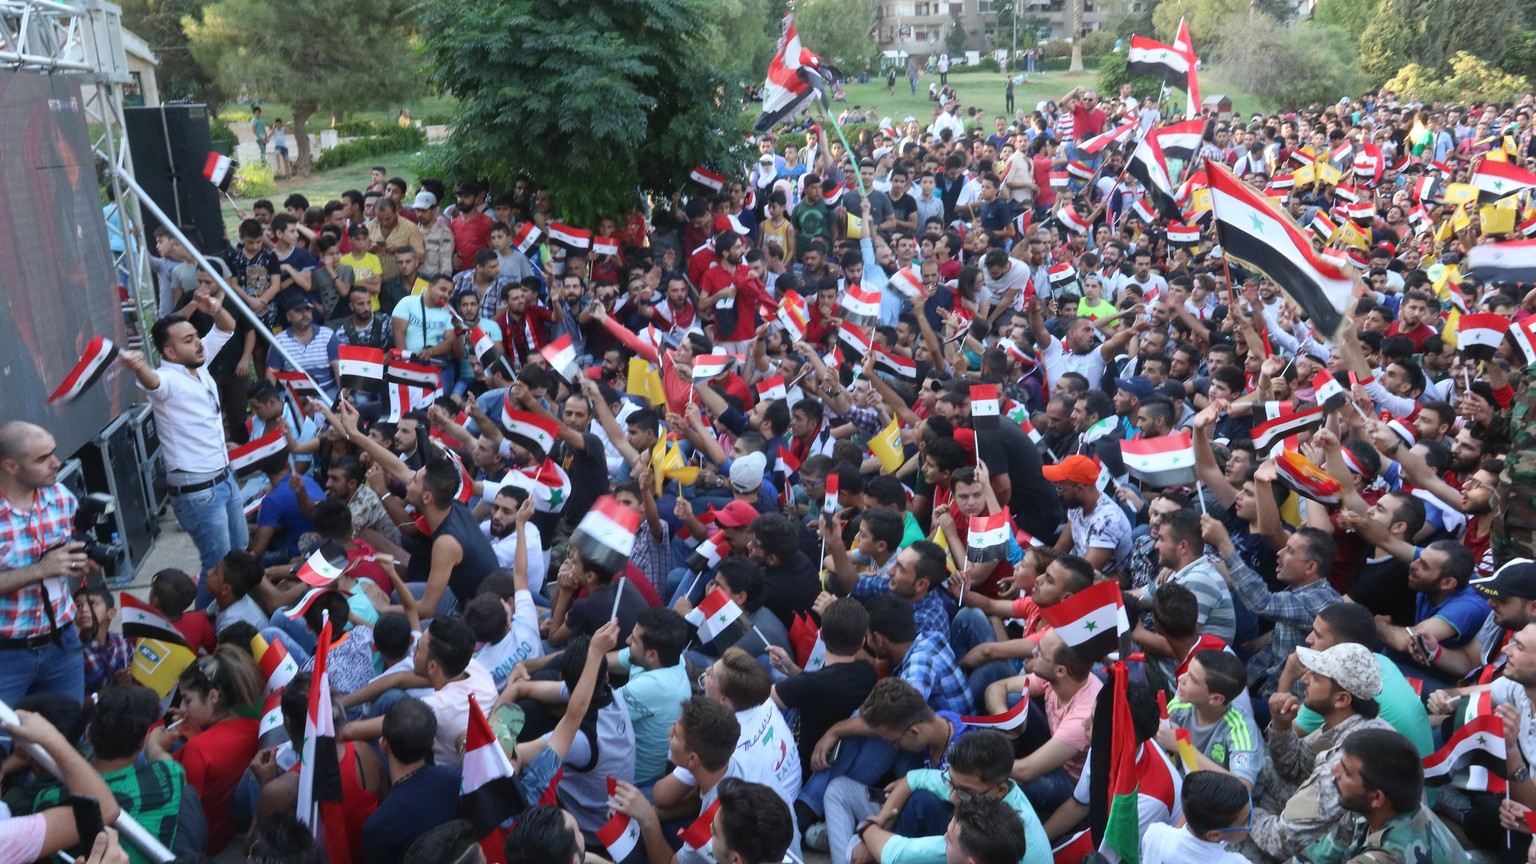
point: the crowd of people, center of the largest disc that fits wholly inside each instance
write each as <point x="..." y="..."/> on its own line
<point x="869" y="432"/>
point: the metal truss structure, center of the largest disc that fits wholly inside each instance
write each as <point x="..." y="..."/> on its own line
<point x="85" y="38"/>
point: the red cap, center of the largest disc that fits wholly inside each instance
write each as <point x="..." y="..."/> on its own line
<point x="737" y="514"/>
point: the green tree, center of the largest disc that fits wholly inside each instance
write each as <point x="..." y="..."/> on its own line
<point x="954" y="40"/>
<point x="595" y="101"/>
<point x="1112" y="74"/>
<point x="746" y="33"/>
<point x="1469" y="74"/>
<point x="158" y="22"/>
<point x="1430" y="32"/>
<point x="839" y="31"/>
<point x="313" y="55"/>
<point x="1353" y="16"/>
<point x="1520" y="57"/>
<point x="1210" y="22"/>
<point x="1283" y="65"/>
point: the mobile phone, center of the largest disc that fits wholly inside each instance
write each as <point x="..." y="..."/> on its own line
<point x="87" y="817"/>
<point x="877" y="794"/>
<point x="1420" y="646"/>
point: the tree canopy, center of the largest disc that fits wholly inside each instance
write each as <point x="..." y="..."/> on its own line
<point x="840" y="31"/>
<point x="159" y="23"/>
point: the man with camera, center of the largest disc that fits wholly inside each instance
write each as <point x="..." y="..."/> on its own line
<point x="39" y="646"/>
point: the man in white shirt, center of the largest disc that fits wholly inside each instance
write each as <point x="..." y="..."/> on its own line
<point x="1217" y="811"/>
<point x="501" y="529"/>
<point x="185" y="399"/>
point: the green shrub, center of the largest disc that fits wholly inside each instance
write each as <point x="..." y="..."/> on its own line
<point x="432" y="161"/>
<point x="359" y="128"/>
<point x="254" y="180"/>
<point x="224" y="138"/>
<point x="391" y="139"/>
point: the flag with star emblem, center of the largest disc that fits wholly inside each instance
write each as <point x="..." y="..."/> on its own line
<point x="1479" y="742"/>
<point x="1256" y="232"/>
<point x="1090" y="621"/>
<point x="1494" y="180"/>
<point x="1514" y="261"/>
<point x="698" y="836"/>
<point x="1149" y="166"/>
<point x="1158" y="60"/>
<point x="529" y="431"/>
<point x="1168" y="460"/>
<point x="547" y="483"/>
<point x="606" y="535"/>
<point x="714" y="613"/>
<point x="1302" y="476"/>
<point x="1478" y="336"/>
<point x="620" y="836"/>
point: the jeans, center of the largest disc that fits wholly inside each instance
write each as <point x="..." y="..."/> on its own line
<point x="295" y="630"/>
<point x="970" y="628"/>
<point x="863" y="760"/>
<point x="216" y="520"/>
<point x="924" y="815"/>
<point x="1049" y="790"/>
<point x="50" y="669"/>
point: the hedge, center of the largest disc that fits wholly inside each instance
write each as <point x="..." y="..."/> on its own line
<point x="391" y="139"/>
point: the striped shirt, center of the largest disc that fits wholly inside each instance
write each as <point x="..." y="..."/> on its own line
<point x="314" y="356"/>
<point x="24" y="536"/>
<point x="1217" y="616"/>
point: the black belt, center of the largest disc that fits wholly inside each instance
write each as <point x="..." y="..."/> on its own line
<point x="41" y="640"/>
<point x="193" y="488"/>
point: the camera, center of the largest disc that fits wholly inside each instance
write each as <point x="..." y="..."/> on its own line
<point x="93" y="509"/>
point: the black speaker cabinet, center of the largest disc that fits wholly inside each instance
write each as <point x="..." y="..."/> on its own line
<point x="170" y="145"/>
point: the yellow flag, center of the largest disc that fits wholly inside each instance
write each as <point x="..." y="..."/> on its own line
<point x="1449" y="275"/>
<point x="1452" y="327"/>
<point x="1327" y="174"/>
<point x="942" y="539"/>
<point x="643" y="381"/>
<point x="668" y="463"/>
<point x="1200" y="200"/>
<point x="1497" y="219"/>
<point x="1460" y="221"/>
<point x="887" y="448"/>
<point x="1445" y="231"/>
<point x="855" y="227"/>
<point x="1349" y="234"/>
<point x="157" y="665"/>
<point x="1460" y="193"/>
<point x="1305" y="175"/>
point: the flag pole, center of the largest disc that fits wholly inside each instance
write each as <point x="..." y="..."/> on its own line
<point x="857" y="177"/>
<point x="617" y="596"/>
<point x="1200" y="493"/>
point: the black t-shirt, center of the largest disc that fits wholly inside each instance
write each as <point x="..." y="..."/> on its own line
<point x="1381" y="585"/>
<point x="477" y="559"/>
<point x="905" y="208"/>
<point x="1032" y="499"/>
<point x="588" y="470"/>
<point x="791" y="588"/>
<point x="824" y="697"/>
<point x="593" y="611"/>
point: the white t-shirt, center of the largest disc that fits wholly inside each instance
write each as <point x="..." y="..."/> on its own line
<point x="1017" y="277"/>
<point x="506" y="553"/>
<point x="451" y="705"/>
<point x="521" y="642"/>
<point x="766" y="750"/>
<point x="1059" y="361"/>
<point x="1151" y="810"/>
<point x="1507" y="692"/>
<point x="1165" y="844"/>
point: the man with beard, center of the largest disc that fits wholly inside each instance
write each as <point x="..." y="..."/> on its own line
<point x="185" y="399"/>
<point x="1097" y="530"/>
<point x="501" y="531"/>
<point x="1077" y="352"/>
<point x="1474" y="497"/>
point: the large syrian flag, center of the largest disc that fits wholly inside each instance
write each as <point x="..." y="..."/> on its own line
<point x="1158" y="60"/>
<point x="1185" y="44"/>
<point x="1513" y="261"/>
<point x="1149" y="166"/>
<point x="1479" y="742"/>
<point x="1090" y="621"/>
<point x="320" y="786"/>
<point x="1274" y="432"/>
<point x="1160" y="462"/>
<point x="93" y="364"/>
<point x="143" y="621"/>
<point x="489" y="792"/>
<point x="362" y="368"/>
<point x="714" y="613"/>
<point x="988" y="538"/>
<point x="1257" y="233"/>
<point x="1494" y="180"/>
<point x="795" y="78"/>
<point x="606" y="535"/>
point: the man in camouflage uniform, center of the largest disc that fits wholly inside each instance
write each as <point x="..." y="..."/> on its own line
<point x="1301" y="801"/>
<point x="1514" y="504"/>
<point x="1380" y="781"/>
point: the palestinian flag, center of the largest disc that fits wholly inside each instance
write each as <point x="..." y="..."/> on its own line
<point x="245" y="458"/>
<point x="1013" y="718"/>
<point x="1158" y="60"/>
<point x="320" y="786"/>
<point x="301" y="388"/>
<point x="986" y="409"/>
<point x="1122" y="829"/>
<point x="362" y="369"/>
<point x="698" y="836"/>
<point x="1479" y="742"/>
<point x="532" y="432"/>
<point x="271" y="732"/>
<point x="1274" y="433"/>
<point x="526" y="237"/>
<point x="569" y="237"/>
<point x="1149" y="166"/>
<point x="901" y="367"/>
<point x="561" y="356"/>
<point x="795" y="78"/>
<point x="1256" y="232"/>
<point x="1091" y="621"/>
<point x="1512" y="261"/>
<point x="707" y="366"/>
<point x="771" y="388"/>
<point x="907" y="283"/>
<point x="220" y="170"/>
<point x="861" y="308"/>
<point x="278" y="668"/>
<point x="546" y="482"/>
<point x="325" y="565"/>
<point x="1074" y="849"/>
<point x="489" y="793"/>
<point x="98" y="357"/>
<point x="707" y="555"/>
<point x="988" y="538"/>
<point x="1478" y="336"/>
<point x="1160" y="462"/>
<point x="143" y="621"/>
<point x="714" y="613"/>
<point x="710" y="180"/>
<point x="606" y="535"/>
<point x="1302" y="476"/>
<point x="1494" y="180"/>
<point x="855" y="339"/>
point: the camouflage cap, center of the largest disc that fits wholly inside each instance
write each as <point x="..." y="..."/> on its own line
<point x="1350" y="665"/>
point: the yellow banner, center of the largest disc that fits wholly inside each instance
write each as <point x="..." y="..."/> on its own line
<point x="157" y="665"/>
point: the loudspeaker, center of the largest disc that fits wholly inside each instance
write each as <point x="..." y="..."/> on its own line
<point x="151" y="462"/>
<point x="111" y="465"/>
<point x="170" y="144"/>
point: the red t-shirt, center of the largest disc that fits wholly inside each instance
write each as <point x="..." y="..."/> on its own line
<point x="198" y="631"/>
<point x="1417" y="335"/>
<point x="360" y="556"/>
<point x="215" y="759"/>
<point x="470" y="236"/>
<point x="749" y="295"/>
<point x="1086" y="123"/>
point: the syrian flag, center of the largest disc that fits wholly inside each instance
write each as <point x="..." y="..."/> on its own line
<point x="1368" y="164"/>
<point x="245" y="458"/>
<point x="1524" y="333"/>
<point x="526" y="237"/>
<point x="408" y="384"/>
<point x="1068" y="216"/>
<point x="271" y="732"/>
<point x="1478" y="336"/>
<point x="785" y="462"/>
<point x="834" y="196"/>
<point x="1090" y="621"/>
<point x="1274" y="433"/>
<point x="861" y="308"/>
<point x="1160" y="462"/>
<point x="1080" y="171"/>
<point x="856" y="340"/>
<point x="1479" y="742"/>
<point x="901" y="367"/>
<point x="620" y="836"/>
<point x="278" y="667"/>
<point x="698" y="836"/>
<point x="831" y="498"/>
<point x="530" y="431"/>
<point x="547" y="483"/>
<point x="1158" y="60"/>
<point x="561" y="356"/>
<point x="362" y="369"/>
<point x="1427" y="188"/>
<point x="610" y="245"/>
<point x="320" y="786"/>
<point x="772" y="388"/>
<point x="1020" y="415"/>
<point x="1185" y="44"/>
<point x="1184" y="235"/>
<point x="1494" y="180"/>
<point x="1302" y="476"/>
<point x="1143" y="210"/>
<point x="795" y="78"/>
<point x="986" y="410"/>
<point x="606" y="535"/>
<point x="325" y="565"/>
<point x="707" y="178"/>
<point x="1512" y="261"/>
<point x="143" y="621"/>
<point x="707" y="366"/>
<point x="1330" y="394"/>
<point x="1256" y="232"/>
<point x="301" y="388"/>
<point x="1075" y="848"/>
<point x="714" y="613"/>
<point x="1419" y="218"/>
<point x="489" y="793"/>
<point x="707" y="555"/>
<point x="988" y="538"/>
<point x="908" y="284"/>
<point x="1022" y="221"/>
<point x="98" y="357"/>
<point x="1062" y="274"/>
<point x="1181" y="140"/>
<point x="220" y="171"/>
<point x="1060" y="179"/>
<point x="1118" y="135"/>
<point x="1526" y="228"/>
<point x="1323" y="227"/>
<point x="571" y="238"/>
<point x="487" y="352"/>
<point x="1013" y="718"/>
<point x="1149" y="166"/>
<point x="793" y="315"/>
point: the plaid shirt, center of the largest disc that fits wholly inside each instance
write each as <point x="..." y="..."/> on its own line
<point x="1292" y="610"/>
<point x="24" y="536"/>
<point x="930" y="667"/>
<point x="102" y="662"/>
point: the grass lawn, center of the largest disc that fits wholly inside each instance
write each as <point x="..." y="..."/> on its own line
<point x="426" y="106"/>
<point x="321" y="186"/>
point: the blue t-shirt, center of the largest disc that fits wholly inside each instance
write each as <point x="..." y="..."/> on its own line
<point x="280" y="510"/>
<point x="1464" y="610"/>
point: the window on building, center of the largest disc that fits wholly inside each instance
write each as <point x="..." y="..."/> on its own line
<point x="986" y="7"/>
